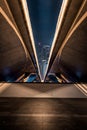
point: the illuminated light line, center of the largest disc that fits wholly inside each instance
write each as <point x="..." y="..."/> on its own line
<point x="79" y="12"/>
<point x="10" y="13"/>
<point x="15" y="30"/>
<point x="21" y="77"/>
<point x="3" y="87"/>
<point x="25" y="80"/>
<point x="70" y="30"/>
<point x="42" y="115"/>
<point x="85" y="86"/>
<point x="82" y="6"/>
<point x="58" y="26"/>
<point x="27" y="17"/>
<point x="65" y="78"/>
<point x="81" y="88"/>
<point x="71" y="33"/>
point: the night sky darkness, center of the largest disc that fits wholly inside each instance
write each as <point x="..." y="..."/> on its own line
<point x="43" y="15"/>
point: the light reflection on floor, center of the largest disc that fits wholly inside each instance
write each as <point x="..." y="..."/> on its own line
<point x="43" y="114"/>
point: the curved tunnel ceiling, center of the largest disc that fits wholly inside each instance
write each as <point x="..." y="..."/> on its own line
<point x="74" y="54"/>
<point x="69" y="16"/>
<point x="71" y="57"/>
<point x="14" y="56"/>
<point x="17" y="53"/>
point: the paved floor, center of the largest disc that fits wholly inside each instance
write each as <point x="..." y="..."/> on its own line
<point x="40" y="90"/>
<point x="43" y="114"/>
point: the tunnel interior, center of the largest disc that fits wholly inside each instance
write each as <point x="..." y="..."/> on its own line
<point x="68" y="61"/>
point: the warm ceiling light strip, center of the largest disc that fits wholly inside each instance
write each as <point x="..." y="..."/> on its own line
<point x="71" y="33"/>
<point x="27" y="17"/>
<point x="58" y="26"/>
<point x="14" y="28"/>
<point x="85" y="86"/>
<point x="73" y="28"/>
<point x="5" y="1"/>
<point x="80" y="10"/>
